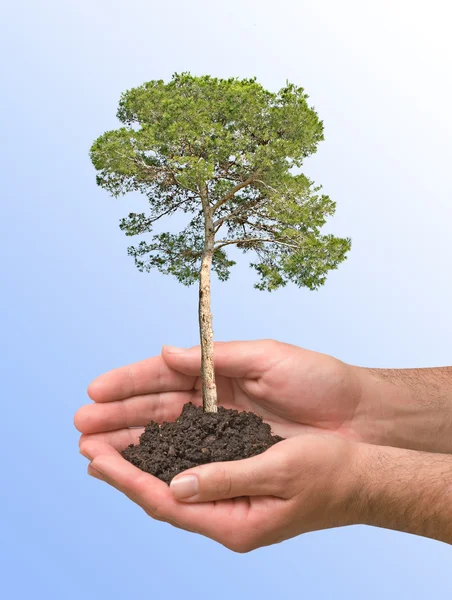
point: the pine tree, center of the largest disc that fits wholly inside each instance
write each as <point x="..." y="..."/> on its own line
<point x="224" y="152"/>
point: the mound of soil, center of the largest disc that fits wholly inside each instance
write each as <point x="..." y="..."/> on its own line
<point x="197" y="438"/>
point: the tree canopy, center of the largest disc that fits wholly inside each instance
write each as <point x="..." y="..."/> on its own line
<point x="233" y="149"/>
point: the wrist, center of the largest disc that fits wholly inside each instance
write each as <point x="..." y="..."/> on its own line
<point x="405" y="490"/>
<point x="346" y="484"/>
<point x="395" y="410"/>
<point x="381" y="484"/>
<point x="354" y="484"/>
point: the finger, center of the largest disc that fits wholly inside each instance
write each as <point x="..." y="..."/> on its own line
<point x="94" y="450"/>
<point x="93" y="473"/>
<point x="119" y="439"/>
<point x="91" y="448"/>
<point x="262" y="475"/>
<point x="149" y="492"/>
<point x="232" y="359"/>
<point x="224" y="522"/>
<point x="132" y="412"/>
<point x="144" y="377"/>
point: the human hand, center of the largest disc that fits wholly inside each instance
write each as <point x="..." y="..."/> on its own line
<point x="294" y="390"/>
<point x="305" y="483"/>
<point x="298" y="392"/>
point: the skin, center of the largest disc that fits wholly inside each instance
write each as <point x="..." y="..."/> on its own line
<point x="356" y="447"/>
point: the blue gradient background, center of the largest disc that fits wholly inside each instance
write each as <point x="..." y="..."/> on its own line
<point x="74" y="306"/>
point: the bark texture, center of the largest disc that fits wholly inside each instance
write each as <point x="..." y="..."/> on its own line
<point x="209" y="388"/>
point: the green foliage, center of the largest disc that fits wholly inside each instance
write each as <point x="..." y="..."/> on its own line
<point x="178" y="255"/>
<point x="239" y="143"/>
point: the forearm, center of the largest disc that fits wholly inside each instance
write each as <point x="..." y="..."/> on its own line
<point x="406" y="491"/>
<point x="407" y="408"/>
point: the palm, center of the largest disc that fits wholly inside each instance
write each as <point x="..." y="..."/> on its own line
<point x="296" y="389"/>
<point x="232" y="522"/>
<point x="292" y="389"/>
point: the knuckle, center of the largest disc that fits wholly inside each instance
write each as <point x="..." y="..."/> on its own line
<point x="240" y="539"/>
<point x="242" y="545"/>
<point x="270" y="343"/>
<point x="222" y="482"/>
<point x="141" y="483"/>
<point x="160" y="408"/>
<point x="156" y="512"/>
<point x="151" y="513"/>
<point x="242" y="548"/>
<point x="153" y="507"/>
<point x="284" y="475"/>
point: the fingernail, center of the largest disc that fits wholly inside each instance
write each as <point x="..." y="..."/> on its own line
<point x="184" y="487"/>
<point x="174" y="350"/>
<point x="85" y="454"/>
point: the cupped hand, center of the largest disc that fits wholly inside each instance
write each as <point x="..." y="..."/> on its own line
<point x="305" y="483"/>
<point x="294" y="390"/>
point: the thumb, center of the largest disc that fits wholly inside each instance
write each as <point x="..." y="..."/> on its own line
<point x="262" y="475"/>
<point x="184" y="360"/>
<point x="232" y="359"/>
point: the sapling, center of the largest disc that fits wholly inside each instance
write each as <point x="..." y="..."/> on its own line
<point x="227" y="153"/>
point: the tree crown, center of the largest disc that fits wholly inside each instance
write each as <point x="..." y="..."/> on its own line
<point x="225" y="150"/>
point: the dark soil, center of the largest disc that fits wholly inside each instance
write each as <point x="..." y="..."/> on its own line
<point x="196" y="438"/>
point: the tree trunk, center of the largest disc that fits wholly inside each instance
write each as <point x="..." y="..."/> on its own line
<point x="209" y="388"/>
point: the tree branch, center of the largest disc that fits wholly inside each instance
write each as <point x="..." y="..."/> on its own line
<point x="222" y="243"/>
<point x="261" y="227"/>
<point x="267" y="186"/>
<point x="156" y="169"/>
<point x="166" y="212"/>
<point x="235" y="213"/>
<point x="166" y="170"/>
<point x="234" y="190"/>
